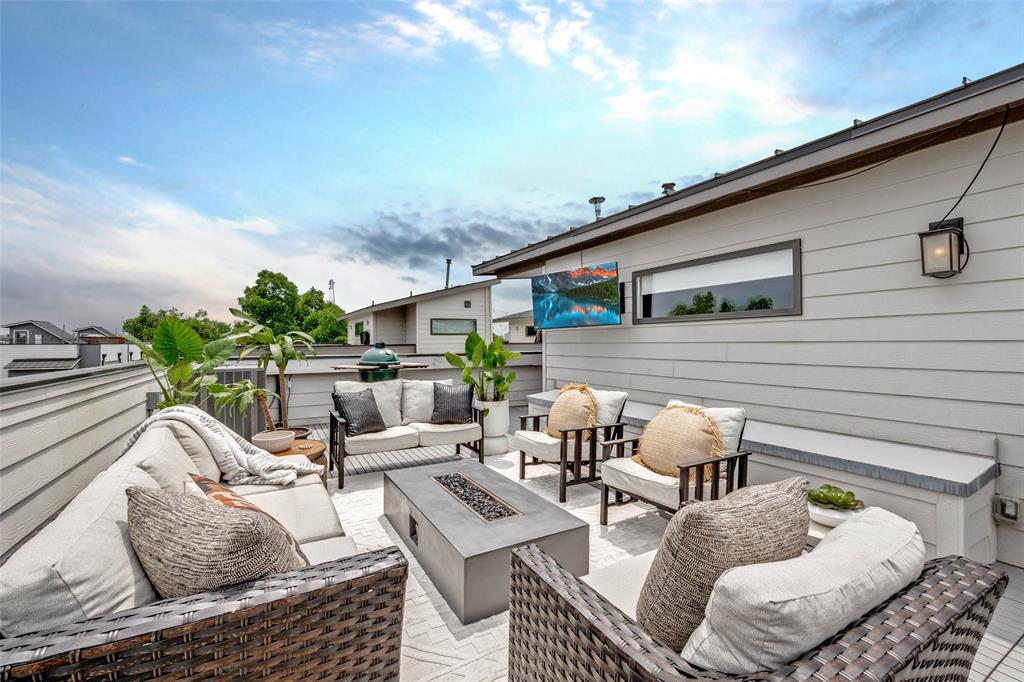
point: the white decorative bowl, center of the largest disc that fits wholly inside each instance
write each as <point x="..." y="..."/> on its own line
<point x="830" y="517"/>
<point x="274" y="441"/>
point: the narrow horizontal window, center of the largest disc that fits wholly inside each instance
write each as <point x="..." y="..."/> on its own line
<point x="755" y="282"/>
<point x="444" y="327"/>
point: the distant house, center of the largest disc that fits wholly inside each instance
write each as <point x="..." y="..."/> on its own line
<point x="38" y="332"/>
<point x="433" y="322"/>
<point x="520" y="327"/>
<point x="94" y="330"/>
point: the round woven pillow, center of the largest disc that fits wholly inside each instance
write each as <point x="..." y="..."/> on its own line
<point x="575" y="407"/>
<point x="679" y="435"/>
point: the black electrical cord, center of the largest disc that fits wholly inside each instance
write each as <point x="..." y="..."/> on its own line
<point x="1006" y="117"/>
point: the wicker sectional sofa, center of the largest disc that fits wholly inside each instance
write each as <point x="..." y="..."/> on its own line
<point x="75" y="602"/>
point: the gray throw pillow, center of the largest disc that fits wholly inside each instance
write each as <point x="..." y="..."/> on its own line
<point x="752" y="525"/>
<point x="452" y="404"/>
<point x="189" y="544"/>
<point x="360" y="412"/>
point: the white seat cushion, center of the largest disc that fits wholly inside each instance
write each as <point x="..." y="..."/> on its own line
<point x="730" y="421"/>
<point x="418" y="400"/>
<point x="538" y="444"/>
<point x="446" y="434"/>
<point x="762" y="616"/>
<point x="393" y="438"/>
<point x="387" y="394"/>
<point x="159" y="454"/>
<point x="622" y="473"/>
<point x="621" y="582"/>
<point x="329" y="549"/>
<point x="306" y="512"/>
<point x="81" y="564"/>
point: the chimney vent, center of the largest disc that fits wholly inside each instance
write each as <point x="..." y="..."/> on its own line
<point x="447" y="271"/>
<point x="667" y="188"/>
<point x="596" y="203"/>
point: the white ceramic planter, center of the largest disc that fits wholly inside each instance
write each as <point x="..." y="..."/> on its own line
<point x="830" y="517"/>
<point x="495" y="426"/>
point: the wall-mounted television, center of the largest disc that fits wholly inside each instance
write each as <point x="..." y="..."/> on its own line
<point x="583" y="297"/>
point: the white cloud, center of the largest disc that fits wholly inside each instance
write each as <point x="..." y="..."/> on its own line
<point x="131" y="161"/>
<point x="461" y="28"/>
<point x="93" y="250"/>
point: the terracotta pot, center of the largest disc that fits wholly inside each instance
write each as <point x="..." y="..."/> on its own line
<point x="274" y="441"/>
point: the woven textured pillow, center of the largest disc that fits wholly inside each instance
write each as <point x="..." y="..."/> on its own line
<point x="452" y="404"/>
<point x="189" y="544"/>
<point x="679" y="435"/>
<point x="757" y="524"/>
<point x="574" y="408"/>
<point x="228" y="497"/>
<point x="359" y="410"/>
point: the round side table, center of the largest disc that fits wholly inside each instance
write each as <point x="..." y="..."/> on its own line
<point x="314" y="450"/>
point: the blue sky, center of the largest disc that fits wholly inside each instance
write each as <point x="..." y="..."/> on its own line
<point x="163" y="153"/>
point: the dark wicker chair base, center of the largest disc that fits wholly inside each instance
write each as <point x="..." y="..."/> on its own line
<point x="340" y="620"/>
<point x="561" y="630"/>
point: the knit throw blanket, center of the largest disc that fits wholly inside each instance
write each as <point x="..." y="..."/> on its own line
<point x="240" y="462"/>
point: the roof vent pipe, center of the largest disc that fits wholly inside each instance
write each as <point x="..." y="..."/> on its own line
<point x="667" y="188"/>
<point x="596" y="203"/>
<point x="447" y="271"/>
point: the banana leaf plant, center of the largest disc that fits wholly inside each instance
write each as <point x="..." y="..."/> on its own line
<point x="485" y="366"/>
<point x="240" y="395"/>
<point x="279" y="348"/>
<point x="180" y="362"/>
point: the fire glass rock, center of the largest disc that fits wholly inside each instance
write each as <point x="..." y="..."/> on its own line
<point x="478" y="499"/>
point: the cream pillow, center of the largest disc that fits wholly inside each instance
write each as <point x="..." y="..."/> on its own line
<point x="763" y="616"/>
<point x="418" y="400"/>
<point x="574" y="408"/>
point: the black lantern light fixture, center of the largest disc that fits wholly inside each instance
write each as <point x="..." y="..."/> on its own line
<point x="944" y="251"/>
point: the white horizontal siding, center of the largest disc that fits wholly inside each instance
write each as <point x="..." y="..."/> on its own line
<point x="452" y="308"/>
<point x="879" y="351"/>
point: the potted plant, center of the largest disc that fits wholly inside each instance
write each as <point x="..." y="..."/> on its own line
<point x="484" y="369"/>
<point x="239" y="397"/>
<point x="830" y="505"/>
<point x="281" y="348"/>
<point x="180" y="362"/>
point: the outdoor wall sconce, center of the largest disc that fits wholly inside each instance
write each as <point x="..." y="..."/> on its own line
<point x="944" y="251"/>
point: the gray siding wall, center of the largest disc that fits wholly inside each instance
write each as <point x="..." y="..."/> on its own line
<point x="33" y="331"/>
<point x="56" y="437"/>
<point x="453" y="307"/>
<point x="880" y="351"/>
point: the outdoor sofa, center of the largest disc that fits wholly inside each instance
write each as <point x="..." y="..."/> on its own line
<point x="339" y="618"/>
<point x="561" y="628"/>
<point x="406" y="406"/>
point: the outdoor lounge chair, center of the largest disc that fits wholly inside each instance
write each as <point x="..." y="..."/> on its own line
<point x="544" y="448"/>
<point x="627" y="478"/>
<point x="560" y="628"/>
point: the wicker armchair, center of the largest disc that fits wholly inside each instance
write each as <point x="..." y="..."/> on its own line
<point x="337" y="620"/>
<point x="560" y="629"/>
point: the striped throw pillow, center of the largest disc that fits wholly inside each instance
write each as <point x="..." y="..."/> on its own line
<point x="360" y="412"/>
<point x="452" y="404"/>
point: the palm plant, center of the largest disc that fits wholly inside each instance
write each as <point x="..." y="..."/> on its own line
<point x="180" y="362"/>
<point x="279" y="348"/>
<point x="485" y="366"/>
<point x="240" y="395"/>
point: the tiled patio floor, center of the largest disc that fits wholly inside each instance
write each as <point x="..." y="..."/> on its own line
<point x="436" y="646"/>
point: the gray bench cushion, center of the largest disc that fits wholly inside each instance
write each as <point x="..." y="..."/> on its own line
<point x="392" y="438"/>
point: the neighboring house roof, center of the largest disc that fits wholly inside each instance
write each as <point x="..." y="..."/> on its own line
<point x="100" y="331"/>
<point x="977" y="106"/>
<point x="515" y="316"/>
<point x="46" y="326"/>
<point x="440" y="293"/>
<point x="25" y="364"/>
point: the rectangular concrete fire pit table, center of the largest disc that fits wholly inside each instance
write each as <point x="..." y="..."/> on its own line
<point x="465" y="555"/>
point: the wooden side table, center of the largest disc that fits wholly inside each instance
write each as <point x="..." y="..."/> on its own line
<point x="314" y="450"/>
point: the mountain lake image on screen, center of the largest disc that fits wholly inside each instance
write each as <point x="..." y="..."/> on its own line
<point x="584" y="297"/>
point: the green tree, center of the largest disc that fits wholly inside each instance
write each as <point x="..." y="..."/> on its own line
<point x="326" y="325"/>
<point x="726" y="306"/>
<point x="272" y="301"/>
<point x="144" y="325"/>
<point x="702" y="305"/>
<point x="760" y="303"/>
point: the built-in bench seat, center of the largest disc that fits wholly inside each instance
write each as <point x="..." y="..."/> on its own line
<point x="934" y="488"/>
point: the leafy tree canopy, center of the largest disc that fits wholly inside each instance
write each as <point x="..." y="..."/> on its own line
<point x="273" y="301"/>
<point x="143" y="326"/>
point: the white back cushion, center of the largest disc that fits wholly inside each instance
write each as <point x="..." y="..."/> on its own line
<point x="730" y="421"/>
<point x="418" y="400"/>
<point x="762" y="616"/>
<point x="80" y="565"/>
<point x="194" y="446"/>
<point x="159" y="454"/>
<point x="609" y="405"/>
<point x="388" y="395"/>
